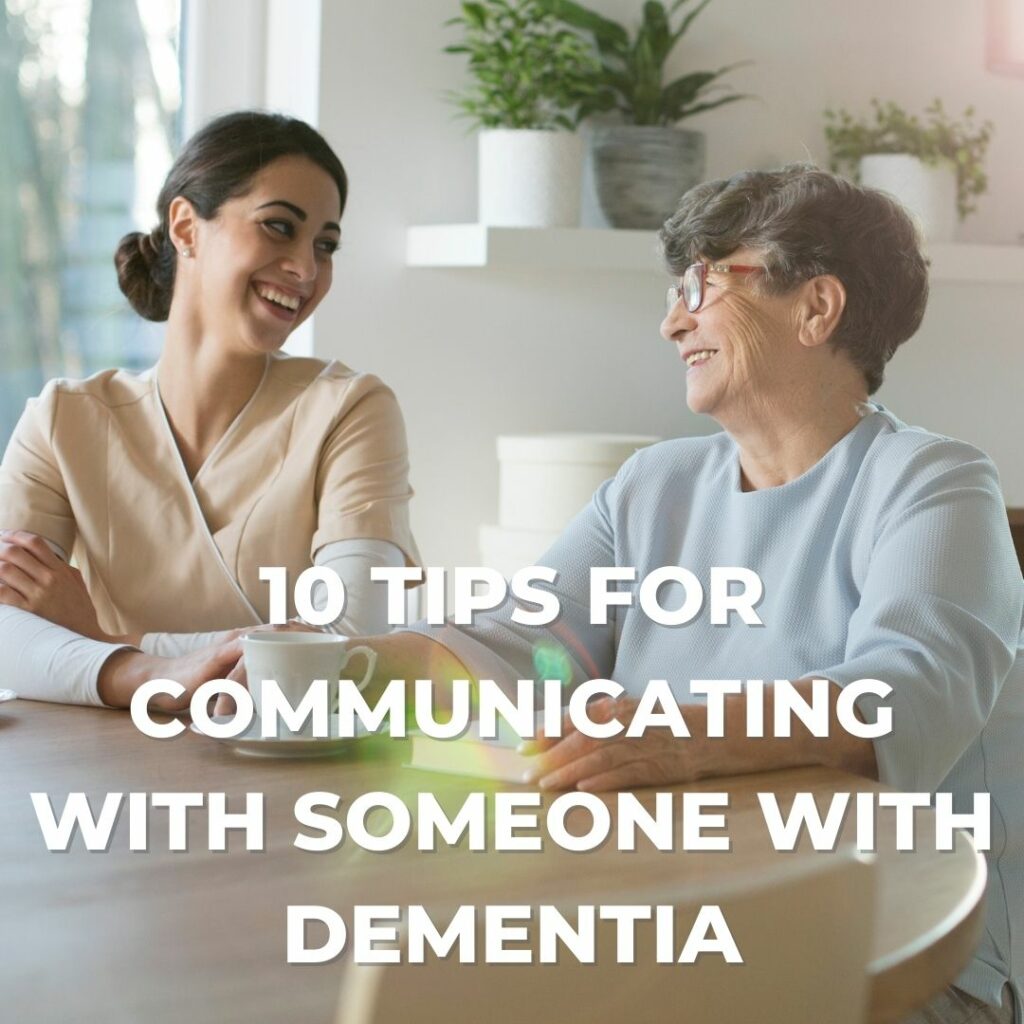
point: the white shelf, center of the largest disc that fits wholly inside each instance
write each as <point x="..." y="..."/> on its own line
<point x="476" y="245"/>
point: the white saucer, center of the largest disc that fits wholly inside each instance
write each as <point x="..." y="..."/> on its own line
<point x="7" y="695"/>
<point x="252" y="744"/>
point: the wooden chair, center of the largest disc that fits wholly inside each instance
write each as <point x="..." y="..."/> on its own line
<point x="1016" y="517"/>
<point x="804" y="935"/>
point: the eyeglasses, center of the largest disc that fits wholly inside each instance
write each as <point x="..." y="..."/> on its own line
<point x="691" y="285"/>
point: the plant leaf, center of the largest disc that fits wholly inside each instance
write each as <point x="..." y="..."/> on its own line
<point x="681" y="31"/>
<point x="646" y="82"/>
<point x="711" y="104"/>
<point x="475" y="14"/>
<point x="655" y="28"/>
<point x="686" y="89"/>
<point x="609" y="35"/>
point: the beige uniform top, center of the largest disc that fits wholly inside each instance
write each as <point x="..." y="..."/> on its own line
<point x="317" y="455"/>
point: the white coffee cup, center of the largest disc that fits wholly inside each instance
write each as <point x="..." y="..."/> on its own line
<point x="294" y="661"/>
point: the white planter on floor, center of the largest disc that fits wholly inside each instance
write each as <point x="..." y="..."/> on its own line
<point x="928" y="192"/>
<point x="528" y="178"/>
<point x="545" y="479"/>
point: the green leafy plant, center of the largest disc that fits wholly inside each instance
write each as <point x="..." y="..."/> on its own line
<point x="934" y="138"/>
<point x="527" y="69"/>
<point x="631" y="74"/>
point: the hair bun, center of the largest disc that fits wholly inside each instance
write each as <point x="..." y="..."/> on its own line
<point x="145" y="273"/>
<point x="149" y="245"/>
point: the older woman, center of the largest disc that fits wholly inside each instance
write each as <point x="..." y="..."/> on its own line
<point x="883" y="549"/>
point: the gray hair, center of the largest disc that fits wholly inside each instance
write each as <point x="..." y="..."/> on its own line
<point x="806" y="222"/>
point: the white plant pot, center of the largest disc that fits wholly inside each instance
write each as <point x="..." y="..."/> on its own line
<point x="545" y="479"/>
<point x="528" y="178"/>
<point x="928" y="192"/>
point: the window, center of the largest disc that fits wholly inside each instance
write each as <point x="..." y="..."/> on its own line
<point x="90" y="94"/>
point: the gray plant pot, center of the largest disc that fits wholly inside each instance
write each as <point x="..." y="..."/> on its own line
<point x="640" y="173"/>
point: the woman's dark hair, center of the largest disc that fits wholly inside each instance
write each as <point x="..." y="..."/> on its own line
<point x="218" y="163"/>
<point x="806" y="222"/>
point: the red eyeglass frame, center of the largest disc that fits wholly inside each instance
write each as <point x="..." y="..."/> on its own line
<point x="677" y="292"/>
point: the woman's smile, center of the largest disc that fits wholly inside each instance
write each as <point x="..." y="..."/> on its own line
<point x="696" y="358"/>
<point x="282" y="303"/>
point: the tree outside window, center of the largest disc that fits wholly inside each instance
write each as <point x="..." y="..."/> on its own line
<point x="90" y="95"/>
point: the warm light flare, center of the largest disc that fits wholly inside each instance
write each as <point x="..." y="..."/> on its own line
<point x="1005" y="37"/>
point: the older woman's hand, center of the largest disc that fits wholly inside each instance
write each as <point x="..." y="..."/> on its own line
<point x="35" y="579"/>
<point x="575" y="761"/>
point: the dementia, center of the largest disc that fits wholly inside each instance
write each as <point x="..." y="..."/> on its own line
<point x="512" y="934"/>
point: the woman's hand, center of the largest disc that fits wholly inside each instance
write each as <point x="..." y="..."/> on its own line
<point x="36" y="580"/>
<point x="126" y="670"/>
<point x="225" y="703"/>
<point x="575" y="761"/>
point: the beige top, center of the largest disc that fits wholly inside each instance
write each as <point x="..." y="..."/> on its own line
<point x="317" y="455"/>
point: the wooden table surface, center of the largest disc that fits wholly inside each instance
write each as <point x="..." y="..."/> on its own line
<point x="199" y="936"/>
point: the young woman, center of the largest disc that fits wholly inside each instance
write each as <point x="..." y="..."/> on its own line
<point x="171" y="488"/>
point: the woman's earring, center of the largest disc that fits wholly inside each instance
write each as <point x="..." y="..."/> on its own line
<point x="187" y="253"/>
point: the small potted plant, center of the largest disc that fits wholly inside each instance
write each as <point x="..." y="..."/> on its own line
<point x="643" y="166"/>
<point x="933" y="165"/>
<point x="529" y="77"/>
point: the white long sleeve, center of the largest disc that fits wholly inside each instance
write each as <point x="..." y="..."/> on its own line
<point x="365" y="606"/>
<point x="43" y="661"/>
<point x="174" y="645"/>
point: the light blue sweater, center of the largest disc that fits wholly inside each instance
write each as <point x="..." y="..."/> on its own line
<point x="891" y="558"/>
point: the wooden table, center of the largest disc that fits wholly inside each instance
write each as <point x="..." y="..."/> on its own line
<point x="199" y="936"/>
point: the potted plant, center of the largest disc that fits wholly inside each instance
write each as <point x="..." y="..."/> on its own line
<point x="529" y="77"/>
<point x="934" y="165"/>
<point x="643" y="166"/>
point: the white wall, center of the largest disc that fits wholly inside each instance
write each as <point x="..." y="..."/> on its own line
<point x="473" y="354"/>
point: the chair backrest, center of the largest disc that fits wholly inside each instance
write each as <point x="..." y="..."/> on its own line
<point x="804" y="934"/>
<point x="1016" y="517"/>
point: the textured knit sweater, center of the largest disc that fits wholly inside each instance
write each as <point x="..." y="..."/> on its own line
<point x="891" y="559"/>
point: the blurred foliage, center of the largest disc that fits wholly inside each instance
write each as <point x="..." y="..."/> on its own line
<point x="67" y="175"/>
<point x="526" y="70"/>
<point x="934" y="138"/>
<point x="631" y="69"/>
